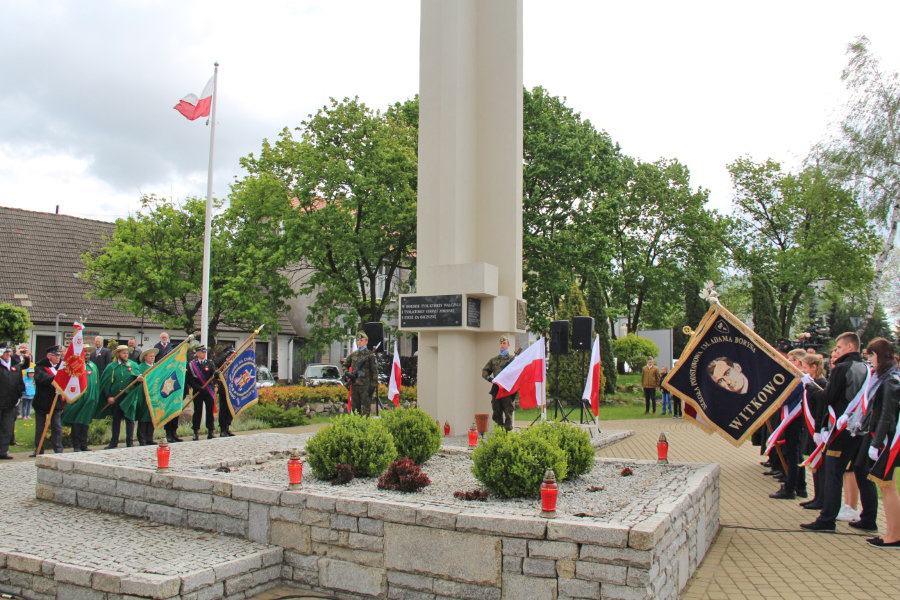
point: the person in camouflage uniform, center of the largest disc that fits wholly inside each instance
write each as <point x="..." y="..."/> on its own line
<point x="502" y="407"/>
<point x="363" y="377"/>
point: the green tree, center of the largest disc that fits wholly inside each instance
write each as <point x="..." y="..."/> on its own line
<point x="596" y="305"/>
<point x="797" y="229"/>
<point x="14" y="323"/>
<point x="866" y="153"/>
<point x="633" y="350"/>
<point x="569" y="168"/>
<point x="765" y="320"/>
<point x="344" y="195"/>
<point x="573" y="365"/>
<point x="153" y="262"/>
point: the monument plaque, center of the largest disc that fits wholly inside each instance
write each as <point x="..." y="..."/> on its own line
<point x="473" y="312"/>
<point x="431" y="311"/>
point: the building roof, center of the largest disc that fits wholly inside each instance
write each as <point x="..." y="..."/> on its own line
<point x="42" y="265"/>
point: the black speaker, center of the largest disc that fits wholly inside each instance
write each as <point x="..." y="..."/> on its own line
<point x="582" y="333"/>
<point x="559" y="337"/>
<point x="375" y="332"/>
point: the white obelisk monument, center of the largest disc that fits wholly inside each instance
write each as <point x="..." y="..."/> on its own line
<point x="469" y="247"/>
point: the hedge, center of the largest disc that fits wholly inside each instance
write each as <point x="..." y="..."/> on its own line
<point x="300" y="395"/>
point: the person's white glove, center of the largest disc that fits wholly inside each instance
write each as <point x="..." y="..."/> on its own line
<point x="842" y="421"/>
<point x="807" y="380"/>
<point x="873" y="452"/>
<point x="817" y="438"/>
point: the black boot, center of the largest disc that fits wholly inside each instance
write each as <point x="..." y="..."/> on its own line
<point x="196" y="435"/>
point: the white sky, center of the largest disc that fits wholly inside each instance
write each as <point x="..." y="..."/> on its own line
<point x="87" y="86"/>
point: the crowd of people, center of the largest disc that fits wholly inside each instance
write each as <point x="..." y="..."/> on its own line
<point x="846" y="422"/>
<point x="113" y="390"/>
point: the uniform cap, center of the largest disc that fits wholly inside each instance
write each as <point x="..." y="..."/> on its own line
<point x="362" y="335"/>
<point x="504" y="338"/>
<point x="55" y="350"/>
<point x="200" y="348"/>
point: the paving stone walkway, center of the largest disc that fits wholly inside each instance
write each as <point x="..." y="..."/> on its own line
<point x="761" y="551"/>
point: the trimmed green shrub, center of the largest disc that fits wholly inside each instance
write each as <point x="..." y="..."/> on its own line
<point x="276" y="415"/>
<point x="416" y="436"/>
<point x="513" y="464"/>
<point x="572" y="440"/>
<point x="354" y="440"/>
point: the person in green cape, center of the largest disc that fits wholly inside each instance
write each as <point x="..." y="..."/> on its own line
<point x="78" y="415"/>
<point x="134" y="406"/>
<point x="115" y="378"/>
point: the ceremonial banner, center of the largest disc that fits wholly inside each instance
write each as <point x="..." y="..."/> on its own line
<point x="71" y="377"/>
<point x="164" y="386"/>
<point x="239" y="379"/>
<point x="731" y="377"/>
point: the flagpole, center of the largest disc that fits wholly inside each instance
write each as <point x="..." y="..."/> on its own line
<point x="207" y="232"/>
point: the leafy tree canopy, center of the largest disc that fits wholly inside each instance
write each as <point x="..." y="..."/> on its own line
<point x="14" y="323"/>
<point x="633" y="349"/>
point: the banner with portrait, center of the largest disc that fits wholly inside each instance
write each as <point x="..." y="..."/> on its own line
<point x="731" y="377"/>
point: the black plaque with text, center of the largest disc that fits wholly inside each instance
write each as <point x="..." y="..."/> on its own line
<point x="473" y="312"/>
<point x="431" y="311"/>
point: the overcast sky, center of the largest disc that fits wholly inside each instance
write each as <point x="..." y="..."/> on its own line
<point x="87" y="87"/>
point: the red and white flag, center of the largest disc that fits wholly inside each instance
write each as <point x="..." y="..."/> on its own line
<point x="526" y="375"/>
<point x="394" y="382"/>
<point x="71" y="377"/>
<point x="592" y="385"/>
<point x="193" y="107"/>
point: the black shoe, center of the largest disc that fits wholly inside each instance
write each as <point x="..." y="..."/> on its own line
<point x="874" y="539"/>
<point x="111" y="447"/>
<point x="863" y="526"/>
<point x="766" y="464"/>
<point x="227" y="433"/>
<point x="176" y="439"/>
<point x="129" y="444"/>
<point x="85" y="449"/>
<point x="813" y="506"/>
<point x="196" y="436"/>
<point x="783" y="494"/>
<point x="802" y="494"/>
<point x="772" y="472"/>
<point x="6" y="457"/>
<point x="33" y="455"/>
<point x="170" y="439"/>
<point x="211" y="436"/>
<point x="818" y="526"/>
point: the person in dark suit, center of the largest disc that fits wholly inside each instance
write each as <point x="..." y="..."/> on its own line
<point x="225" y="417"/>
<point x="44" y="372"/>
<point x="12" y="386"/>
<point x="163" y="346"/>
<point x="100" y="356"/>
<point x="134" y="354"/>
<point x="199" y="381"/>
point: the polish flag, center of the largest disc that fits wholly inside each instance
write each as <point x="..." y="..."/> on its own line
<point x="71" y="377"/>
<point x="592" y="385"/>
<point x="394" y="382"/>
<point x="193" y="107"/>
<point x="525" y="374"/>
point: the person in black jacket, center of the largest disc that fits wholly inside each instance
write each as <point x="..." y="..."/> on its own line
<point x="44" y="393"/>
<point x="100" y="356"/>
<point x="847" y="378"/>
<point x="879" y="428"/>
<point x="199" y="372"/>
<point x="163" y="346"/>
<point x="225" y="416"/>
<point x="134" y="354"/>
<point x="12" y="386"/>
<point x="813" y="365"/>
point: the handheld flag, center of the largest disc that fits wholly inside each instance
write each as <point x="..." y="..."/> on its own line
<point x="193" y="107"/>
<point x="731" y="377"/>
<point x="394" y="383"/>
<point x="525" y="375"/>
<point x="164" y="386"/>
<point x="239" y="380"/>
<point x="71" y="377"/>
<point x="592" y="385"/>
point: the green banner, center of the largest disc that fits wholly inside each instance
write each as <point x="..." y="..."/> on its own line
<point x="164" y="386"/>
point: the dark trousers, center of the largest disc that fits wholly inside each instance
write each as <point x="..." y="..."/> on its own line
<point x="145" y="433"/>
<point x="676" y="406"/>
<point x="117" y="416"/>
<point x="868" y="491"/>
<point x="360" y="401"/>
<point x="503" y="411"/>
<point x="7" y="427"/>
<point x="818" y="493"/>
<point x="203" y="401"/>
<point x="79" y="437"/>
<point x="171" y="428"/>
<point x="225" y="417"/>
<point x="832" y="489"/>
<point x="649" y="396"/>
<point x="796" y="475"/>
<point x="40" y="420"/>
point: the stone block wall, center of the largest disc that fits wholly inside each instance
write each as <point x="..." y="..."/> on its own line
<point x="361" y="547"/>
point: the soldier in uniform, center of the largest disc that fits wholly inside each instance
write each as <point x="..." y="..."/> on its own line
<point x="225" y="416"/>
<point x="199" y="381"/>
<point x="79" y="414"/>
<point x="113" y="379"/>
<point x="502" y="407"/>
<point x="363" y="377"/>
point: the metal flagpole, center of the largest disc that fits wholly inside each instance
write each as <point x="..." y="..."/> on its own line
<point x="207" y="232"/>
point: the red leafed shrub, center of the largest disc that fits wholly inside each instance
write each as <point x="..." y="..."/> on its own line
<point x="403" y="476"/>
<point x="626" y="472"/>
<point x="479" y="494"/>
<point x="344" y="474"/>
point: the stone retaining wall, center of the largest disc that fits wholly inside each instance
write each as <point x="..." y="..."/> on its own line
<point x="360" y="547"/>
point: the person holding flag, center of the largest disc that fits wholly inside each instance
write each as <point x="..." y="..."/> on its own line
<point x="525" y="375"/>
<point x="44" y="394"/>
<point x="502" y="407"/>
<point x="117" y="376"/>
<point x="225" y="416"/>
<point x="79" y="414"/>
<point x="199" y="381"/>
<point x="134" y="406"/>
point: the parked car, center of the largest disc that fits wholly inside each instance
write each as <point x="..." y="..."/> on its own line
<point x="264" y="377"/>
<point x="321" y="374"/>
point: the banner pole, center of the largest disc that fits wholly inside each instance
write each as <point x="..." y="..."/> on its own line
<point x="225" y="364"/>
<point x="37" y="450"/>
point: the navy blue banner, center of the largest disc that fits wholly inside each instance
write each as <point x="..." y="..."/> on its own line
<point x="731" y="376"/>
<point x="239" y="380"/>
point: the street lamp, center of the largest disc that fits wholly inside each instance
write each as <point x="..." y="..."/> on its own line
<point x="56" y="337"/>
